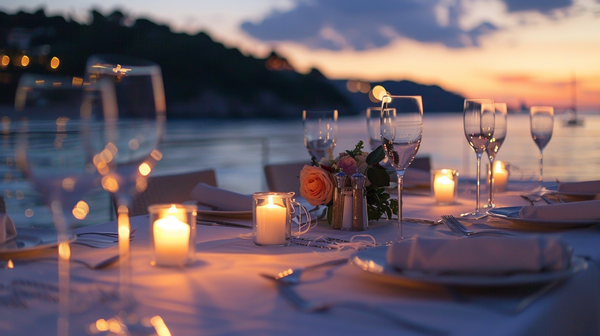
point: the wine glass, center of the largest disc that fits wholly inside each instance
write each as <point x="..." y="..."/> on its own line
<point x="493" y="146"/>
<point x="478" y="119"/>
<point x="320" y="132"/>
<point x="374" y="126"/>
<point x="132" y="128"/>
<point x="53" y="137"/>
<point x="542" y="124"/>
<point x="401" y="128"/>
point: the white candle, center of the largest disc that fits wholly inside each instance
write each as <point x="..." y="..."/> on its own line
<point x="171" y="241"/>
<point x="443" y="189"/>
<point x="500" y="176"/>
<point x="271" y="222"/>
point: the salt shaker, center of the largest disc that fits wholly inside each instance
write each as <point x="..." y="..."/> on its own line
<point x="359" y="208"/>
<point x="347" y="216"/>
<point x="338" y="200"/>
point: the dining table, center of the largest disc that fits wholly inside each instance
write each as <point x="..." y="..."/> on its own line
<point x="224" y="291"/>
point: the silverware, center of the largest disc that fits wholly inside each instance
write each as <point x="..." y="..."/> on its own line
<point x="292" y="276"/>
<point x="97" y="242"/>
<point x="106" y="234"/>
<point x="420" y="221"/>
<point x="287" y="290"/>
<point x="208" y="222"/>
<point x="529" y="300"/>
<point x="460" y="230"/>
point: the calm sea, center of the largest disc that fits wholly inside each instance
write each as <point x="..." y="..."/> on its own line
<point x="238" y="150"/>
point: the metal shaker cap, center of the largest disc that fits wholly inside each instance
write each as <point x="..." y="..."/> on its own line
<point x="358" y="180"/>
<point x="340" y="179"/>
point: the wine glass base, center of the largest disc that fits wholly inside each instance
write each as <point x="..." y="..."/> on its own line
<point x="473" y="215"/>
<point x="490" y="206"/>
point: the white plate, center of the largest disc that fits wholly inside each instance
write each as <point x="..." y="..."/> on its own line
<point x="31" y="240"/>
<point x="373" y="261"/>
<point x="512" y="214"/>
<point x="219" y="213"/>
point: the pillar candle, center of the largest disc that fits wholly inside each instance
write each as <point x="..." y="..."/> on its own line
<point x="171" y="241"/>
<point x="443" y="189"/>
<point x="500" y="176"/>
<point x="271" y="220"/>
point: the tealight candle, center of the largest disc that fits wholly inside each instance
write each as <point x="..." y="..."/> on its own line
<point x="500" y="176"/>
<point x="271" y="224"/>
<point x="444" y="185"/>
<point x="172" y="234"/>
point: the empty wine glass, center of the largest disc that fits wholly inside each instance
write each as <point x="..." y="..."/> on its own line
<point x="401" y="128"/>
<point x="478" y="119"/>
<point x="53" y="139"/>
<point x="320" y="132"/>
<point x="493" y="146"/>
<point x="132" y="128"/>
<point x="542" y="125"/>
<point x="374" y="126"/>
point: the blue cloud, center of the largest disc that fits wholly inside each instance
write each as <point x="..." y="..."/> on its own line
<point x="542" y="6"/>
<point x="360" y="24"/>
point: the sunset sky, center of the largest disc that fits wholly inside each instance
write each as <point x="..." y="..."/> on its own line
<point x="510" y="50"/>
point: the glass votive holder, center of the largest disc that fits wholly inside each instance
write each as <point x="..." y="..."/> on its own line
<point x="272" y="217"/>
<point x="172" y="234"/>
<point x="444" y="186"/>
<point x="501" y="175"/>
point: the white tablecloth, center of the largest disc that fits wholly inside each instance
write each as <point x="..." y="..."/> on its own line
<point x="222" y="293"/>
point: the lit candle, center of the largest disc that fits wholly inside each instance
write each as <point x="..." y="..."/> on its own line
<point x="271" y="222"/>
<point x="171" y="241"/>
<point x="443" y="189"/>
<point x="500" y="176"/>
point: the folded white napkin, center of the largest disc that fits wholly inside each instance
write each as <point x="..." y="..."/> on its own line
<point x="221" y="199"/>
<point x="7" y="228"/>
<point x="480" y="255"/>
<point x="584" y="210"/>
<point x="580" y="187"/>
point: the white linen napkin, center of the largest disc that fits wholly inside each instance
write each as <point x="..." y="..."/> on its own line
<point x="584" y="210"/>
<point x="7" y="228"/>
<point x="580" y="187"/>
<point x="221" y="199"/>
<point x="480" y="255"/>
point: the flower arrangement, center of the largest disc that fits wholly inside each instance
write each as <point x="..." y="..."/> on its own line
<point x="317" y="182"/>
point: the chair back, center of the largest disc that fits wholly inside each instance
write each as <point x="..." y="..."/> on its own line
<point x="284" y="177"/>
<point x="169" y="189"/>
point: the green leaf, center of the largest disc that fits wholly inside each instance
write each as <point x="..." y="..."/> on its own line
<point x="329" y="214"/>
<point x="378" y="176"/>
<point x="376" y="156"/>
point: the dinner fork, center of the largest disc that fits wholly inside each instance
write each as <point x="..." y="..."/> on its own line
<point x="306" y="306"/>
<point x="292" y="276"/>
<point x="460" y="230"/>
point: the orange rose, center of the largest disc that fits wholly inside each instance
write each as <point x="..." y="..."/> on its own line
<point x="316" y="185"/>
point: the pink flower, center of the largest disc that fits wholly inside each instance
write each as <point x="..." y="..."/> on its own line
<point x="316" y="185"/>
<point x="347" y="164"/>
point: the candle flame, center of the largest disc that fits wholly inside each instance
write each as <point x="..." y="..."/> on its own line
<point x="10" y="264"/>
<point x="498" y="166"/>
<point x="173" y="209"/>
<point x="270" y="200"/>
<point x="444" y="180"/>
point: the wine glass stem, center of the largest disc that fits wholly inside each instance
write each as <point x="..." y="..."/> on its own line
<point x="541" y="166"/>
<point x="478" y="182"/>
<point x="400" y="174"/>
<point x="491" y="184"/>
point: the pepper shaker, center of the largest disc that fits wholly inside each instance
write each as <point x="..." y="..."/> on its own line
<point x="359" y="209"/>
<point x="338" y="200"/>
